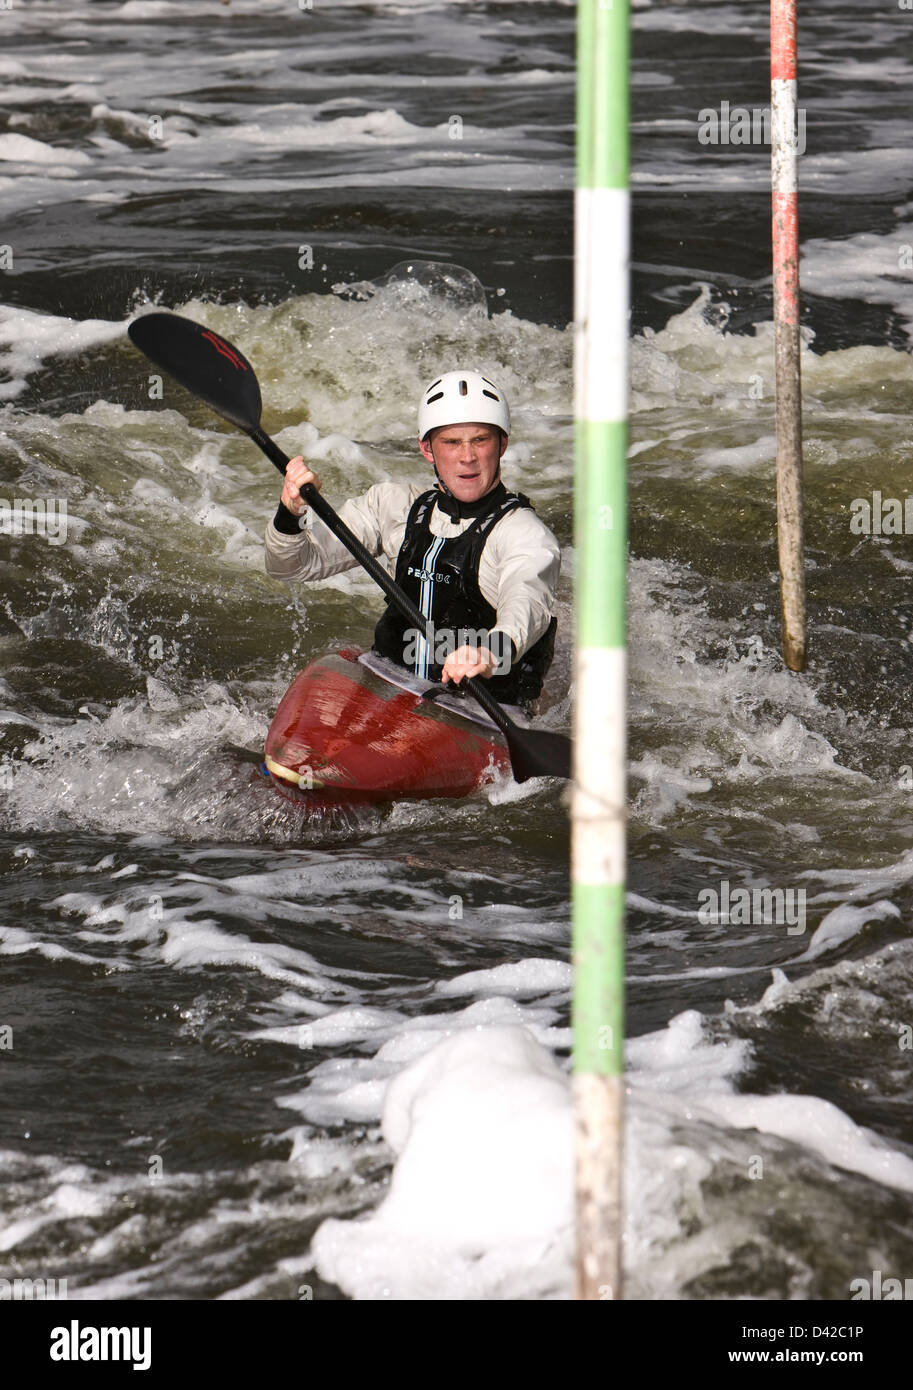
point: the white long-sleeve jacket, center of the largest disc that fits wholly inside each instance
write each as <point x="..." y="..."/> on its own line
<point x="518" y="568"/>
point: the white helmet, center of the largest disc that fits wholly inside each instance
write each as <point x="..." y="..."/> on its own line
<point x="462" y="398"/>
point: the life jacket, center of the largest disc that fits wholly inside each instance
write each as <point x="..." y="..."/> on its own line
<point x="441" y="576"/>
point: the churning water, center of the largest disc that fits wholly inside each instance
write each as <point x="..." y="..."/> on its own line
<point x="207" y="1003"/>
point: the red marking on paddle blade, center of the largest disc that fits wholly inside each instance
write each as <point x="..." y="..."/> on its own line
<point x="221" y="346"/>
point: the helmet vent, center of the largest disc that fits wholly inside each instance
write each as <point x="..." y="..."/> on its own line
<point x="463" y="396"/>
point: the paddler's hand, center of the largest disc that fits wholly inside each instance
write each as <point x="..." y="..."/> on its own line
<point x="469" y="661"/>
<point x="297" y="476"/>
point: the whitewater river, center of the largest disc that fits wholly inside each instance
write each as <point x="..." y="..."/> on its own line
<point x="208" y="1005"/>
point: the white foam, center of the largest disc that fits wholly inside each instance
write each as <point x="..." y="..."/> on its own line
<point x="740" y="456"/>
<point x="121" y="770"/>
<point x="819" y="1127"/>
<point x="16" y="941"/>
<point x="28" y="339"/>
<point x="526" y="977"/>
<point x="22" y="149"/>
<point x="679" y="1061"/>
<point x="731" y="721"/>
<point x="335" y="1028"/>
<point x="482" y="1190"/>
<point x="353" y="1088"/>
<point x="867" y="266"/>
<point x="842" y="923"/>
<point x="174" y="9"/>
<point x="480" y="1202"/>
<point x="374" y="368"/>
<point x="71" y="1192"/>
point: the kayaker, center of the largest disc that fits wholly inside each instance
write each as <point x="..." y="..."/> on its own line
<point x="473" y="557"/>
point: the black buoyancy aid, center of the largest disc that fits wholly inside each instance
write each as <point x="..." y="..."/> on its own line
<point x="441" y="577"/>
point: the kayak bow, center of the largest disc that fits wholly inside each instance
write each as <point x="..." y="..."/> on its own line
<point x="349" y="729"/>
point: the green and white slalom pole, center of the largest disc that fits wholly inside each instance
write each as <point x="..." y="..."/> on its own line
<point x="602" y="238"/>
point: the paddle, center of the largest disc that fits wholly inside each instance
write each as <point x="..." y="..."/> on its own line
<point x="211" y="368"/>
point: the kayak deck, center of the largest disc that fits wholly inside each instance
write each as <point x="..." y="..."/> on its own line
<point x="345" y="732"/>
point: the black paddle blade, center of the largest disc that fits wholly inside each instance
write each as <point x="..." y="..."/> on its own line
<point x="538" y="753"/>
<point x="207" y="364"/>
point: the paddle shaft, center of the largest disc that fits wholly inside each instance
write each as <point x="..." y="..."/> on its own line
<point x="377" y="572"/>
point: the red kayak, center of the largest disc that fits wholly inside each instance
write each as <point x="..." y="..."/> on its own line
<point x="354" y="727"/>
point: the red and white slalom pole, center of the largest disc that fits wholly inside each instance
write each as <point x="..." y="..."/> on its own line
<point x="784" y="146"/>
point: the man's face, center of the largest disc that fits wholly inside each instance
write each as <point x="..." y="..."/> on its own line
<point x="467" y="457"/>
